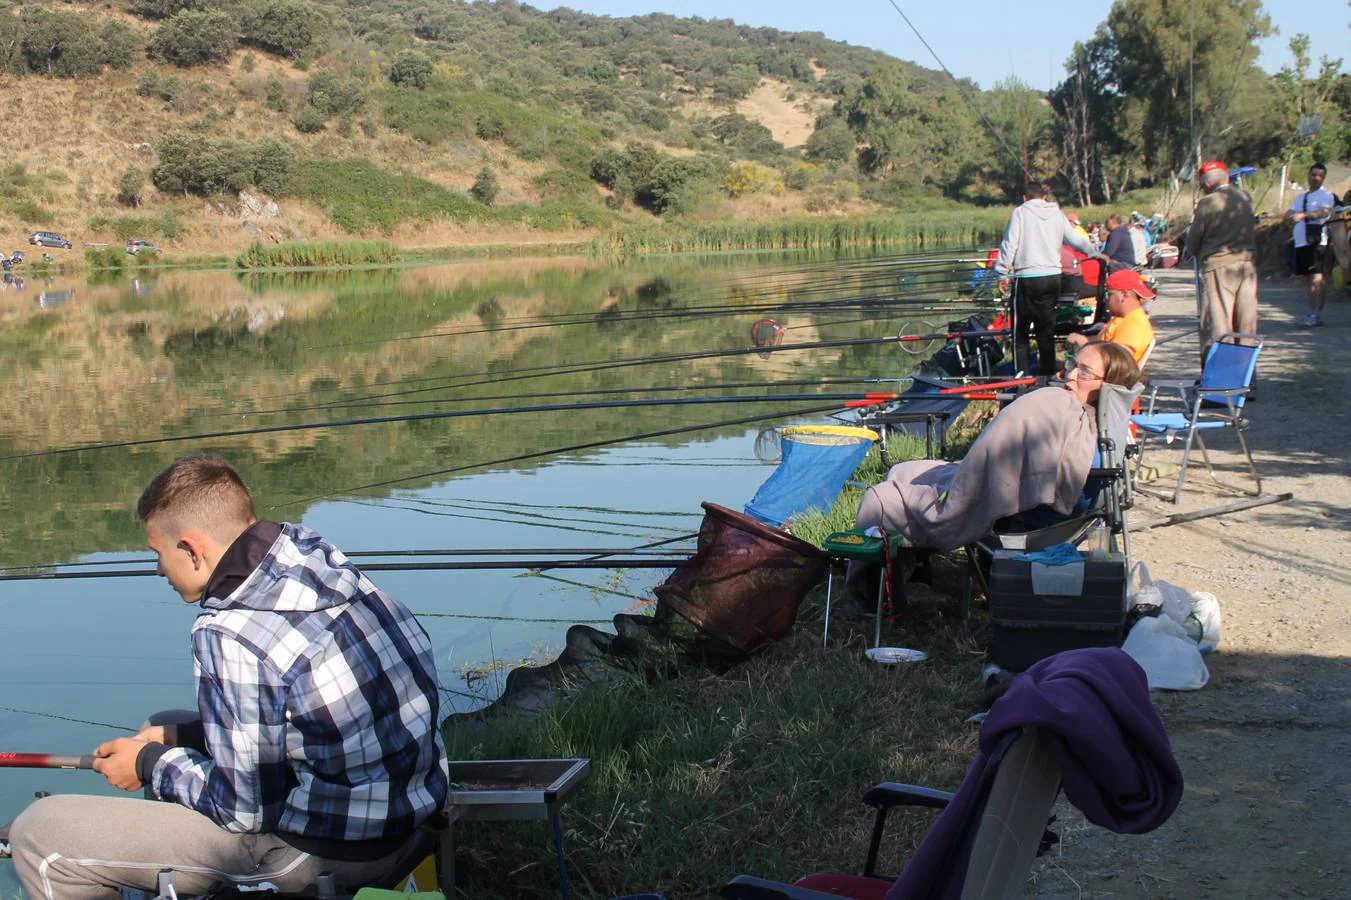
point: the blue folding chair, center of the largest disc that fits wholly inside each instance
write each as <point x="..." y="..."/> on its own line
<point x="1212" y="403"/>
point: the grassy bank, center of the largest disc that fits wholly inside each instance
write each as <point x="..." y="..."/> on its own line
<point x="934" y="229"/>
<point x="759" y="770"/>
<point x="323" y="253"/>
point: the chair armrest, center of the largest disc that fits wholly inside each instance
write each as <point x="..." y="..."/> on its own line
<point x="748" y="887"/>
<point x="1228" y="392"/>
<point x="889" y="794"/>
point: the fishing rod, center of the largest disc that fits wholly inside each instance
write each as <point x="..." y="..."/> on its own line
<point x="45" y="761"/>
<point x="531" y="372"/>
<point x="454" y="414"/>
<point x="610" y="318"/>
<point x="449" y="566"/>
<point x="360" y="554"/>
<point x="555" y="451"/>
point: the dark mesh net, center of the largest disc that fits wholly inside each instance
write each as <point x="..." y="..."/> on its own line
<point x="745" y="581"/>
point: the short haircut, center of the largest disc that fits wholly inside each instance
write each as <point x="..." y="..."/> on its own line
<point x="1113" y="220"/>
<point x="1037" y="189"/>
<point x="1320" y="167"/>
<point x="1118" y="365"/>
<point x="202" y="491"/>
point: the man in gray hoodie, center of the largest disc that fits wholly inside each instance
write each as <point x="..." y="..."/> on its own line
<point x="1029" y="261"/>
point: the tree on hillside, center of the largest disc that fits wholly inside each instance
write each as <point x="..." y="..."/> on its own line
<point x="411" y="69"/>
<point x="194" y="38"/>
<point x="63" y="44"/>
<point x="284" y="27"/>
<point x="163" y="9"/>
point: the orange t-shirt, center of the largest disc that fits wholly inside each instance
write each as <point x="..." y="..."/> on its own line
<point x="1133" y="331"/>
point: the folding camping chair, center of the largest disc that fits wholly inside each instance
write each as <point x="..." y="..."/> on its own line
<point x="1212" y="402"/>
<point x="1108" y="494"/>
<point x="1005" y="829"/>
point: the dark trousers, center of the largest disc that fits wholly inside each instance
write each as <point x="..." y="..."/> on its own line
<point x="1034" y="301"/>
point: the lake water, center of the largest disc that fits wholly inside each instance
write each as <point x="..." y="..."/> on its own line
<point x="129" y="359"/>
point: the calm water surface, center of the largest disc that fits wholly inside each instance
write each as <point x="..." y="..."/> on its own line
<point x="128" y="359"/>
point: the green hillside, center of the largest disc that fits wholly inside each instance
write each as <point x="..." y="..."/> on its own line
<point x="435" y="122"/>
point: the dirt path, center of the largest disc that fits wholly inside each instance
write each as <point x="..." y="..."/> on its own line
<point x="1264" y="746"/>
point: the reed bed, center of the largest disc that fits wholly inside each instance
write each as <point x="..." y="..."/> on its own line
<point x="930" y="229"/>
<point x="314" y="255"/>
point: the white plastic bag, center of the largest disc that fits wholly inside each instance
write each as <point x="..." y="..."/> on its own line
<point x="1197" y="612"/>
<point x="1170" y="658"/>
<point x="1206" y="609"/>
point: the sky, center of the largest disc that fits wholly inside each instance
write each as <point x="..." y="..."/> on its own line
<point x="984" y="40"/>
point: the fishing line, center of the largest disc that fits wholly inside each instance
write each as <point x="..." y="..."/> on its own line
<point x="556" y="525"/>
<point x="538" y="454"/>
<point x="530" y="515"/>
<point x="44" y="715"/>
<point x="598" y="588"/>
<point x="961" y="93"/>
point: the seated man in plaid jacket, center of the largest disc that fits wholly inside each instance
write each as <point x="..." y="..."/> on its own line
<point x="317" y="748"/>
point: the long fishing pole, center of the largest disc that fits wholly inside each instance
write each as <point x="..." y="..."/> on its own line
<point x="380" y="554"/>
<point x="555" y="451"/>
<point x="531" y="372"/>
<point x="448" y="566"/>
<point x="457" y="414"/>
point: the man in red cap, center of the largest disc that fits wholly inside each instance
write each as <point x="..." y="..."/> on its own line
<point x="1129" y="325"/>
<point x="1223" y="239"/>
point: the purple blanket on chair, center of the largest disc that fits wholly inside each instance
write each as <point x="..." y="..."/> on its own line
<point x="1116" y="764"/>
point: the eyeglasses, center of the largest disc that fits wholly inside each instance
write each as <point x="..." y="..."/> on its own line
<point x="1083" y="371"/>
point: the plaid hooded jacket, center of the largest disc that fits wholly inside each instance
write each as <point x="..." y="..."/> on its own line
<point x="318" y="699"/>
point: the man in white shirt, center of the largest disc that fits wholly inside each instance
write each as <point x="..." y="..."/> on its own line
<point x="1310" y="212"/>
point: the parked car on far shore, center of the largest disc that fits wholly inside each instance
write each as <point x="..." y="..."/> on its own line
<point x="48" y="239"/>
<point x="136" y="245"/>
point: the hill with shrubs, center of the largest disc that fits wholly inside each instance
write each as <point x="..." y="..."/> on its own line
<point x="441" y="121"/>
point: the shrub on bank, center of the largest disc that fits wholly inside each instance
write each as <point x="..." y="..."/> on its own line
<point x="359" y="196"/>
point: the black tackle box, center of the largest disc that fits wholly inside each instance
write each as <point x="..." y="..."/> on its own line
<point x="1028" y="626"/>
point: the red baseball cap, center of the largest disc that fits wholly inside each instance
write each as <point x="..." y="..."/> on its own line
<point x="1212" y="166"/>
<point x="1129" y="280"/>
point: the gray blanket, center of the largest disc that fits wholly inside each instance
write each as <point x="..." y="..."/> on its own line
<point x="1036" y="452"/>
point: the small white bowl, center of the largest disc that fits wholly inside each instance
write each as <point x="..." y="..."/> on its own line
<point x="893" y="656"/>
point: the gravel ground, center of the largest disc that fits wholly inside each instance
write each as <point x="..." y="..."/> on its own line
<point x="1263" y="747"/>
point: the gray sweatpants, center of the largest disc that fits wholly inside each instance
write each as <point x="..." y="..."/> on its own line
<point x="77" y="847"/>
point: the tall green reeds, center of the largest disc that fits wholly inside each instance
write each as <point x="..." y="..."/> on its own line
<point x="323" y="253"/>
<point x="929" y="229"/>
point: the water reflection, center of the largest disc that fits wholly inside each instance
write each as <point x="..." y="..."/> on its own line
<point x="178" y="354"/>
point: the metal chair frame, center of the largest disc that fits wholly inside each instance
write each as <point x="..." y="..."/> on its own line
<point x="1193" y="394"/>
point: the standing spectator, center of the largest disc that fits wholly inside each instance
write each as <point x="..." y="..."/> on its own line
<point x="1119" y="249"/>
<point x="1223" y="238"/>
<point x="1139" y="240"/>
<point x="1029" y="258"/>
<point x="1310" y="213"/>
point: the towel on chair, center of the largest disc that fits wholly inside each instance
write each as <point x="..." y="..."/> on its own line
<point x="1116" y="763"/>
<point x="1036" y="452"/>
